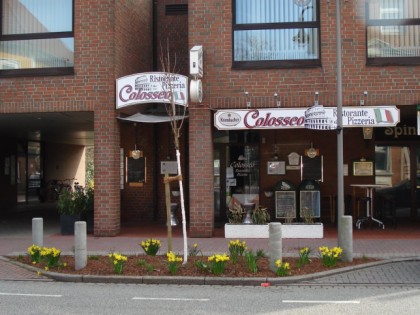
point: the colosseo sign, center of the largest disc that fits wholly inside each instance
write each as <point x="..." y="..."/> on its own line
<point x="151" y="87"/>
<point x="293" y="118"/>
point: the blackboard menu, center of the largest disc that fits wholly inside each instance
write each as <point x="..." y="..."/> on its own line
<point x="285" y="204"/>
<point x="136" y="170"/>
<point x="312" y="168"/>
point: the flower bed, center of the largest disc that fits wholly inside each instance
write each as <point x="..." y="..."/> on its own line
<point x="241" y="262"/>
<point x="157" y="266"/>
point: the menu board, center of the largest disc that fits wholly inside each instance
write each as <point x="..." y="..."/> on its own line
<point x="285" y="204"/>
<point x="136" y="170"/>
<point x="310" y="201"/>
<point x="312" y="168"/>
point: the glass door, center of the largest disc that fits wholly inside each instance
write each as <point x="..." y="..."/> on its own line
<point x="236" y="178"/>
<point x="28" y="171"/>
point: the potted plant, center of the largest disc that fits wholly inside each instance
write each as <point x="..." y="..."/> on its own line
<point x="71" y="206"/>
<point x="260" y="215"/>
<point x="306" y="229"/>
<point x="236" y="214"/>
<point x="236" y="229"/>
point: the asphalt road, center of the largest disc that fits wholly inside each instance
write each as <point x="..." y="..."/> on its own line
<point x="31" y="297"/>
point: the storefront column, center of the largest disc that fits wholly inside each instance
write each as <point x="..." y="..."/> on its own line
<point x="201" y="173"/>
<point x="107" y="220"/>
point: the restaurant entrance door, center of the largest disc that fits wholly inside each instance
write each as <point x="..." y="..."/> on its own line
<point x="236" y="178"/>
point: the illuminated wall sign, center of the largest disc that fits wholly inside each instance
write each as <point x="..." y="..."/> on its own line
<point x="151" y="87"/>
<point x="269" y="118"/>
<point x="293" y="118"/>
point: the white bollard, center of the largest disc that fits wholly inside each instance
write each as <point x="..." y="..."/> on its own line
<point x="80" y="245"/>
<point x="346" y="237"/>
<point x="274" y="244"/>
<point x="38" y="231"/>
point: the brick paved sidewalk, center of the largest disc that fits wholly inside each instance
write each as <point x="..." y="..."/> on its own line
<point x="10" y="271"/>
<point x="388" y="244"/>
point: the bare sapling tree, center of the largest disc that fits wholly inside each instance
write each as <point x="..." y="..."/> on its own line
<point x="177" y="116"/>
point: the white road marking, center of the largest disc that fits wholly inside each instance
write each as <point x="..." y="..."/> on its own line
<point x="321" y="302"/>
<point x="170" y="299"/>
<point x="30" y="294"/>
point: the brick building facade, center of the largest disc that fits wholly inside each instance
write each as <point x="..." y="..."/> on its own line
<point x="211" y="24"/>
<point x="115" y="39"/>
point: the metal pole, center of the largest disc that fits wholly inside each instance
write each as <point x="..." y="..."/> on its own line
<point x="340" y="186"/>
<point x="343" y="239"/>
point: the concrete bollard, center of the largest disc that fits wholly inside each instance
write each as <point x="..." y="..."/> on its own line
<point x="346" y="238"/>
<point x="80" y="245"/>
<point x="38" y="231"/>
<point x="274" y="244"/>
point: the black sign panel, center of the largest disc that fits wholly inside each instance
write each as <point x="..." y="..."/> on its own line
<point x="312" y="168"/>
<point x="136" y="170"/>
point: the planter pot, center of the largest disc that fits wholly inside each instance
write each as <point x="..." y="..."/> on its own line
<point x="246" y="230"/>
<point x="67" y="223"/>
<point x="293" y="230"/>
<point x="302" y="230"/>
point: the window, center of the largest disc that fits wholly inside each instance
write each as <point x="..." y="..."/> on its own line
<point x="393" y="32"/>
<point x="36" y="37"/>
<point x="382" y="160"/>
<point x="276" y="33"/>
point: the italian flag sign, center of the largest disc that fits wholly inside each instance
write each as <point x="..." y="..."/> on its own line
<point x="383" y="115"/>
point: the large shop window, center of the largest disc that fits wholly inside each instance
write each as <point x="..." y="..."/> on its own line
<point x="36" y="37"/>
<point x="276" y="34"/>
<point x="393" y="32"/>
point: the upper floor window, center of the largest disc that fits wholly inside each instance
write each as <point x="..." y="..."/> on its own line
<point x="276" y="33"/>
<point x="36" y="37"/>
<point x="393" y="32"/>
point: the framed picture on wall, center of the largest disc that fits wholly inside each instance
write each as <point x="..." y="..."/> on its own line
<point x="276" y="167"/>
<point x="363" y="168"/>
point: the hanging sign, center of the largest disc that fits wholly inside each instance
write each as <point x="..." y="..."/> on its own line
<point x="295" y="118"/>
<point x="151" y="87"/>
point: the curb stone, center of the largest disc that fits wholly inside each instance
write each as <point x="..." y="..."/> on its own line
<point x="179" y="280"/>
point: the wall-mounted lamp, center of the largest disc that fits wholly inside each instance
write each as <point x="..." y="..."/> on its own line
<point x="248" y="101"/>
<point x="276" y="98"/>
<point x="276" y="157"/>
<point x="135" y="154"/>
<point x="316" y="98"/>
<point x="362" y="100"/>
<point x="367" y="133"/>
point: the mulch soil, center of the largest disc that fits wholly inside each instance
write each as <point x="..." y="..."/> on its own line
<point x="142" y="265"/>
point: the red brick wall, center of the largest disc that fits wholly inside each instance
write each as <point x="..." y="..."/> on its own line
<point x="201" y="174"/>
<point x="210" y="25"/>
<point x="172" y="36"/>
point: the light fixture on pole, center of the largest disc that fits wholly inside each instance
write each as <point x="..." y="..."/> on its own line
<point x="316" y="102"/>
<point x="136" y="154"/>
<point x="276" y="98"/>
<point x="367" y="131"/>
<point x="248" y="101"/>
